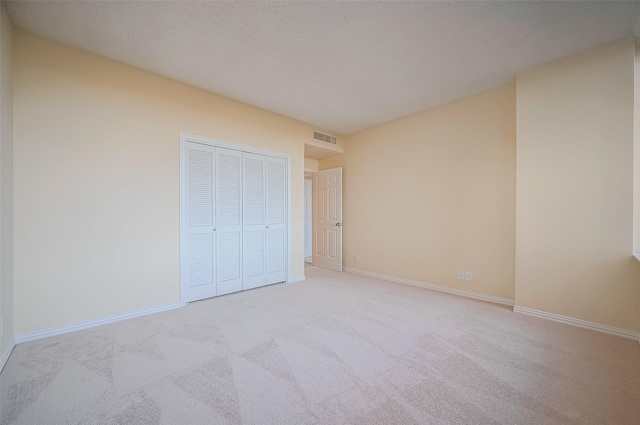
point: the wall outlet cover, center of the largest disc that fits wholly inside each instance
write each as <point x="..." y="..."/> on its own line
<point x="468" y="276"/>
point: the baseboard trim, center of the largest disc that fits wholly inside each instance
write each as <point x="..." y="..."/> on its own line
<point x="296" y="279"/>
<point x="6" y="354"/>
<point x="611" y="330"/>
<point x="33" y="336"/>
<point x="460" y="292"/>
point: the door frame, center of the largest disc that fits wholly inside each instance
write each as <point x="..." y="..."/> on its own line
<point x="184" y="138"/>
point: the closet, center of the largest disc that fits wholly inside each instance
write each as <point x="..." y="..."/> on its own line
<point x="233" y="220"/>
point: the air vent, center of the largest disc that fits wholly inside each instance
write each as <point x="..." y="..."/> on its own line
<point x="325" y="138"/>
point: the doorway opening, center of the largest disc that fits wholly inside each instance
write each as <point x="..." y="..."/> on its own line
<point x="322" y="208"/>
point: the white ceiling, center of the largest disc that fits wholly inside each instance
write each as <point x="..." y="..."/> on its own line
<point x="342" y="66"/>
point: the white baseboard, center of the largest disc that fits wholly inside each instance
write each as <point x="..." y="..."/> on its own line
<point x="6" y="354"/>
<point x="463" y="293"/>
<point x="32" y="336"/>
<point x="308" y="259"/>
<point x="296" y="279"/>
<point x="612" y="330"/>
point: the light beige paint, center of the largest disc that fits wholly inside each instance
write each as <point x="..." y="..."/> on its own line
<point x="319" y="152"/>
<point x="636" y="153"/>
<point x="324" y="148"/>
<point x="311" y="165"/>
<point x="97" y="180"/>
<point x="433" y="193"/>
<point x="6" y="182"/>
<point x="574" y="188"/>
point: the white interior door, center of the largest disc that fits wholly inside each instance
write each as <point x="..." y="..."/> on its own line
<point x="308" y="222"/>
<point x="253" y="223"/>
<point x="229" y="220"/>
<point x="327" y="219"/>
<point x="276" y="219"/>
<point x="199" y="186"/>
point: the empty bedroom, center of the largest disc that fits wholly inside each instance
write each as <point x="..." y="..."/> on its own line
<point x="315" y="212"/>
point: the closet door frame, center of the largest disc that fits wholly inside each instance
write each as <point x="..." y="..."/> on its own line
<point x="184" y="138"/>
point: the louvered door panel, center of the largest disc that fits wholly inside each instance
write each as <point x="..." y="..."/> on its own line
<point x="253" y="206"/>
<point x="229" y="220"/>
<point x="276" y="207"/>
<point x="199" y="188"/>
<point x="201" y="270"/>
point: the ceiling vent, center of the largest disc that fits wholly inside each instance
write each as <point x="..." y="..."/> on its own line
<point x="325" y="138"/>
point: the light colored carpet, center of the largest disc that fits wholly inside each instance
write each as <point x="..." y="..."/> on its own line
<point x="334" y="349"/>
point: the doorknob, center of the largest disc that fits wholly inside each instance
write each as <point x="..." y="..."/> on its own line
<point x="214" y="229"/>
<point x="338" y="224"/>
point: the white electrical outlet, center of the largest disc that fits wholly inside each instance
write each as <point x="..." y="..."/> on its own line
<point x="356" y="258"/>
<point x="468" y="276"/>
<point x="461" y="274"/>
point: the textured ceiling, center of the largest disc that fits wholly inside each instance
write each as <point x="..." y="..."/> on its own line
<point x="342" y="66"/>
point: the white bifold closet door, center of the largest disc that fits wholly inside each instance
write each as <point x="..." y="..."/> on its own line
<point x="229" y="220"/>
<point x="254" y="238"/>
<point x="264" y="215"/>
<point x="200" y="221"/>
<point x="276" y="220"/>
<point x="235" y="220"/>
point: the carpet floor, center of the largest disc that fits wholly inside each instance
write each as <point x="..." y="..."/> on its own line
<point x="335" y="349"/>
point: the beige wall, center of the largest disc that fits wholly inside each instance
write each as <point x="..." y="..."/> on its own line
<point x="311" y="165"/>
<point x="574" y="188"/>
<point x="433" y="193"/>
<point x="97" y="180"/>
<point x="319" y="148"/>
<point x="6" y="183"/>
